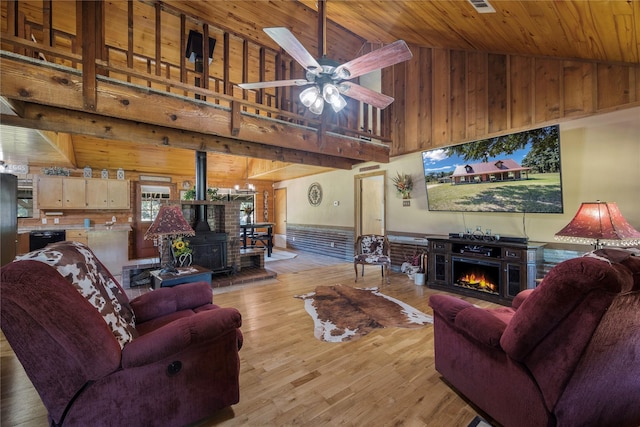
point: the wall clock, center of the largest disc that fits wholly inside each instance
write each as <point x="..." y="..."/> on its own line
<point x="315" y="194"/>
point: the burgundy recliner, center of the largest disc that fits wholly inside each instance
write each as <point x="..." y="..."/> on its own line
<point x="565" y="354"/>
<point x="166" y="358"/>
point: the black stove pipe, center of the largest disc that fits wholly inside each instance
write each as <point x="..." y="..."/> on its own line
<point x="201" y="191"/>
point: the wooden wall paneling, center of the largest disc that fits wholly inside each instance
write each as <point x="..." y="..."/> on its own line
<point x="143" y="28"/>
<point x="62" y="17"/>
<point x="477" y="94"/>
<point x="425" y="91"/>
<point x="613" y="85"/>
<point x="497" y="89"/>
<point x="578" y="96"/>
<point x="441" y="105"/>
<point x="173" y="47"/>
<point x="217" y="65"/>
<point x="388" y="114"/>
<point x="158" y="40"/>
<point x="547" y="93"/>
<point x="411" y="135"/>
<point x="118" y="14"/>
<point x="522" y="83"/>
<point x="404" y="140"/>
<point x="458" y="95"/>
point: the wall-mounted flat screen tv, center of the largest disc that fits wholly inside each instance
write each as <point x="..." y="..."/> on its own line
<point x="519" y="172"/>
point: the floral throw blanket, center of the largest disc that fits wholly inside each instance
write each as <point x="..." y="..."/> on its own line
<point x="77" y="263"/>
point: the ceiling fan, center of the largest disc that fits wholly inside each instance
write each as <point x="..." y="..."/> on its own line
<point x="329" y="80"/>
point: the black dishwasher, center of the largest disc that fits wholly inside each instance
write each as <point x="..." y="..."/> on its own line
<point x="40" y="239"/>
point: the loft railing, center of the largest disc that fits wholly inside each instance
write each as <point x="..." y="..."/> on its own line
<point x="46" y="41"/>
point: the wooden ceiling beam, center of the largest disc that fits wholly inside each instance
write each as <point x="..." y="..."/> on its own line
<point x="43" y="117"/>
<point x="60" y="87"/>
<point x="62" y="143"/>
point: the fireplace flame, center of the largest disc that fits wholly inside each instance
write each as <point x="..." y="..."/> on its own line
<point x="478" y="281"/>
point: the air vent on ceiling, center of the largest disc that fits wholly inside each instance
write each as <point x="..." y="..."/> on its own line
<point x="482" y="6"/>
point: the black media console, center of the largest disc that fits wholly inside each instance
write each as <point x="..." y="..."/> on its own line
<point x="487" y="268"/>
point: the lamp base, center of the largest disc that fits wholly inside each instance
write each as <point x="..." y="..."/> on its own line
<point x="169" y="268"/>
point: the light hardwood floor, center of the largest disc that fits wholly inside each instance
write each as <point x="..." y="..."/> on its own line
<point x="288" y="377"/>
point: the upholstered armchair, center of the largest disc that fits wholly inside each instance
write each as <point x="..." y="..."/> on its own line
<point x="564" y="354"/>
<point x="372" y="249"/>
<point x="168" y="357"/>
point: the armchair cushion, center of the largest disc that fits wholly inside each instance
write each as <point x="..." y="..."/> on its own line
<point x="484" y="326"/>
<point x="372" y="258"/>
<point x="80" y="267"/>
<point x="180" y="335"/>
<point x="372" y="245"/>
<point x="164" y="301"/>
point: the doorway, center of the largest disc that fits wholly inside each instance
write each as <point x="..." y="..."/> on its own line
<point x="280" y="215"/>
<point x="370" y="203"/>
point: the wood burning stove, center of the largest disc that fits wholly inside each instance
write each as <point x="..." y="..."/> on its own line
<point x="209" y="250"/>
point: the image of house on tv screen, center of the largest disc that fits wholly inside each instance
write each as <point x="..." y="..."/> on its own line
<point x="519" y="172"/>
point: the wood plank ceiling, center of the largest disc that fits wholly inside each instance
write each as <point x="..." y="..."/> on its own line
<point x="596" y="30"/>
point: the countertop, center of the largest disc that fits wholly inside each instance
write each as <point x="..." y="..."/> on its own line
<point x="100" y="227"/>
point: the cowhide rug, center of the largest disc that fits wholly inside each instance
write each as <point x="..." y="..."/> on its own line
<point x="342" y="313"/>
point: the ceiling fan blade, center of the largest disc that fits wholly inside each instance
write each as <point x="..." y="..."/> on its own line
<point x="293" y="47"/>
<point x="390" y="54"/>
<point x="363" y="94"/>
<point x="275" y="83"/>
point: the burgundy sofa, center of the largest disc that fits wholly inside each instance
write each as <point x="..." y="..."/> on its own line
<point x="565" y="354"/>
<point x="166" y="358"/>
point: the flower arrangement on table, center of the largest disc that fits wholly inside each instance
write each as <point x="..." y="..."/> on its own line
<point x="403" y="184"/>
<point x="181" y="251"/>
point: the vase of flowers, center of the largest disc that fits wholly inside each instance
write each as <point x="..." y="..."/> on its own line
<point x="403" y="184"/>
<point x="181" y="252"/>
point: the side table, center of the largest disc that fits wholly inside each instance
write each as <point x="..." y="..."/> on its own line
<point x="193" y="273"/>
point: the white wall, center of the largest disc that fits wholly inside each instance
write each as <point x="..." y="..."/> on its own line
<point x="600" y="161"/>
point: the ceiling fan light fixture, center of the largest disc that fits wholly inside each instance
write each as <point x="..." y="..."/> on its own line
<point x="310" y="96"/>
<point x="330" y="93"/>
<point x="338" y="104"/>
<point x="341" y="73"/>
<point x="317" y="106"/>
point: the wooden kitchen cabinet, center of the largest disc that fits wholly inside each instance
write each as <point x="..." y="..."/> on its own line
<point x="77" y="236"/>
<point x="57" y="192"/>
<point x="74" y="192"/>
<point x="118" y="191"/>
<point x="49" y="192"/>
<point x="97" y="194"/>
